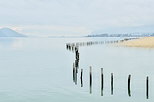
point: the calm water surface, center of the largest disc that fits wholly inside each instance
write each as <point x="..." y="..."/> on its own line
<point x="40" y="70"/>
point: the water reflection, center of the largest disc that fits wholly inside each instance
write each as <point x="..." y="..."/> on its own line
<point x="11" y="43"/>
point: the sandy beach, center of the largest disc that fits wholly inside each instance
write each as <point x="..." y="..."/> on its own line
<point x="147" y="42"/>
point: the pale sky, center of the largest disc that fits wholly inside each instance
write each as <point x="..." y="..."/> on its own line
<point x="73" y="17"/>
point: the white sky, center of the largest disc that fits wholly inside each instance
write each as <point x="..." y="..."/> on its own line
<point x="73" y="17"/>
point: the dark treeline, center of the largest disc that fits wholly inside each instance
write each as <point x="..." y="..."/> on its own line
<point x="123" y="35"/>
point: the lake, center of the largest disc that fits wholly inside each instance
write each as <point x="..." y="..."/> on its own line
<point x="41" y="70"/>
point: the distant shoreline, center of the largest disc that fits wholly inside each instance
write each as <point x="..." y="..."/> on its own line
<point x="146" y="42"/>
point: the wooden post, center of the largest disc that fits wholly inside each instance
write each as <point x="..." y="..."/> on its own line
<point x="75" y="75"/>
<point x="129" y="90"/>
<point x="147" y="87"/>
<point x="81" y="78"/>
<point x="90" y="78"/>
<point x="111" y="83"/>
<point x="102" y="81"/>
<point x="76" y="65"/>
<point x="73" y="72"/>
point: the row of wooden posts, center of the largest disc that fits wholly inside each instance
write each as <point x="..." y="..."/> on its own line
<point x="74" y="46"/>
<point x="112" y="82"/>
<point x="76" y="65"/>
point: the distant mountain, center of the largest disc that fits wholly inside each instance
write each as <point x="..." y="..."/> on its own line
<point x="7" y="32"/>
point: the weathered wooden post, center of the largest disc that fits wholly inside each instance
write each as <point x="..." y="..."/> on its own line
<point x="81" y="78"/>
<point x="75" y="75"/>
<point x="147" y="87"/>
<point x="129" y="90"/>
<point x="90" y="78"/>
<point x="73" y="72"/>
<point x="102" y="81"/>
<point x="75" y="78"/>
<point x="76" y="65"/>
<point x="111" y="83"/>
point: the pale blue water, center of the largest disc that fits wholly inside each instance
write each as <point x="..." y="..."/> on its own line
<point x="40" y="70"/>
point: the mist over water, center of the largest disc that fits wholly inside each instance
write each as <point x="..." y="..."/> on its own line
<point x="41" y="70"/>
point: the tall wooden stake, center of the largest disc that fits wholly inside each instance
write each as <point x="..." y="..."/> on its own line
<point x="102" y="81"/>
<point x="81" y="78"/>
<point x="111" y="83"/>
<point x="90" y="77"/>
<point x="129" y="90"/>
<point x="147" y="87"/>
